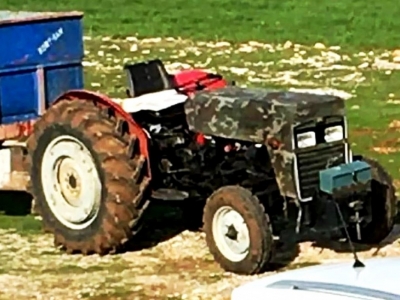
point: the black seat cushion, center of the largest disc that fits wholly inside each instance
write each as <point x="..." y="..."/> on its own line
<point x="147" y="77"/>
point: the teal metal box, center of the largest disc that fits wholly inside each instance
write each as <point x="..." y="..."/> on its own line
<point x="362" y="171"/>
<point x="344" y="175"/>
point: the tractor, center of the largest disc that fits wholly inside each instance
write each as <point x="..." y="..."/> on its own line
<point x="247" y="162"/>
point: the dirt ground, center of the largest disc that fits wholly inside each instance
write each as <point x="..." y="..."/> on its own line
<point x="167" y="263"/>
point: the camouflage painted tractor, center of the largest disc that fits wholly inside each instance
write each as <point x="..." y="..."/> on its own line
<point x="241" y="158"/>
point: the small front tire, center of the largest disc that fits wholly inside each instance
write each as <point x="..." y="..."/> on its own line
<point x="238" y="231"/>
<point x="383" y="205"/>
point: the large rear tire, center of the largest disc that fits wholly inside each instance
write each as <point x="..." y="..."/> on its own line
<point x="238" y="231"/>
<point x="90" y="186"/>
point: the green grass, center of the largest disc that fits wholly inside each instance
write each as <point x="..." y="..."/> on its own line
<point x="22" y="224"/>
<point x="355" y="24"/>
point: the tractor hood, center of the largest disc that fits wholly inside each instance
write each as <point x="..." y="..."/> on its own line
<point x="265" y="117"/>
<point x="257" y="114"/>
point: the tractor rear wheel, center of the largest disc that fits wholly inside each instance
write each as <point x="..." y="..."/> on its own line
<point x="90" y="187"/>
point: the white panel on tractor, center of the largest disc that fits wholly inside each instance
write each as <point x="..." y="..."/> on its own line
<point x="154" y="101"/>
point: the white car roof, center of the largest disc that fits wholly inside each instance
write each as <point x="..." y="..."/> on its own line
<point x="286" y="294"/>
<point x="379" y="279"/>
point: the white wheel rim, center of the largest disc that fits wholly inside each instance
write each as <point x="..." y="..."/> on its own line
<point x="231" y="234"/>
<point x="70" y="182"/>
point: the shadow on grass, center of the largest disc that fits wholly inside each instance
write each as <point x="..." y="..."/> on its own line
<point x="285" y="253"/>
<point x="15" y="209"/>
<point x="162" y="221"/>
<point x="289" y="249"/>
<point x="13" y="203"/>
<point x="344" y="247"/>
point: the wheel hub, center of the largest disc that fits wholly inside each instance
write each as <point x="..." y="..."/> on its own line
<point x="231" y="234"/>
<point x="70" y="182"/>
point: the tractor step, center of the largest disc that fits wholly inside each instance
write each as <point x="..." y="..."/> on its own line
<point x="169" y="194"/>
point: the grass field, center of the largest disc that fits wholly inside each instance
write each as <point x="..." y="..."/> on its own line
<point x="355" y="24"/>
<point x="258" y="44"/>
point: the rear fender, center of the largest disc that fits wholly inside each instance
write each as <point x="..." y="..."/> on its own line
<point x="106" y="102"/>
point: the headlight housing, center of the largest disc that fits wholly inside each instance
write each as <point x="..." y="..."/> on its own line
<point x="334" y="133"/>
<point x="306" y="139"/>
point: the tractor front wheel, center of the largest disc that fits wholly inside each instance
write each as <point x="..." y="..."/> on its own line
<point x="383" y="205"/>
<point x="89" y="188"/>
<point x="238" y="230"/>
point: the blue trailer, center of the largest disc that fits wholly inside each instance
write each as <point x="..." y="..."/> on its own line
<point x="93" y="163"/>
<point x="40" y="59"/>
<point x="41" y="52"/>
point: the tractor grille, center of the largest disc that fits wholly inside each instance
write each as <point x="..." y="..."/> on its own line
<point x="311" y="161"/>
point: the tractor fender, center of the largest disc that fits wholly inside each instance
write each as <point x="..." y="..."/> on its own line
<point x="105" y="101"/>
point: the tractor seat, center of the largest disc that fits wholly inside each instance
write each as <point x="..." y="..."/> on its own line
<point x="150" y="88"/>
<point x="147" y="77"/>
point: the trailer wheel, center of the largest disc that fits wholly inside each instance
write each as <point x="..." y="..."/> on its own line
<point x="238" y="231"/>
<point x="383" y="205"/>
<point x="90" y="190"/>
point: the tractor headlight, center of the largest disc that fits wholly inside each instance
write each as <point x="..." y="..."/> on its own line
<point x="306" y="139"/>
<point x="334" y="133"/>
